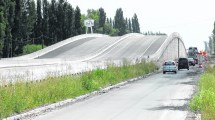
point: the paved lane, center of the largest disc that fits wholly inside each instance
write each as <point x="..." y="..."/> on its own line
<point x="158" y="97"/>
<point x="133" y="47"/>
<point x="81" y="48"/>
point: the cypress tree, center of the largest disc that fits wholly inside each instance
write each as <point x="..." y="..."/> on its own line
<point x="38" y="24"/>
<point x="31" y="18"/>
<point x="120" y="22"/>
<point x="102" y="17"/>
<point x="53" y="21"/>
<point x="60" y="20"/>
<point x="9" y="17"/>
<point x="113" y="23"/>
<point x="16" y="30"/>
<point x="135" y="24"/>
<point x="126" y="23"/>
<point x="45" y="24"/>
<point x="2" y="26"/>
<point x="129" y="25"/>
<point x="24" y="20"/>
<point x="78" y="28"/>
<point x="70" y="21"/>
<point x="107" y="21"/>
<point x="65" y="21"/>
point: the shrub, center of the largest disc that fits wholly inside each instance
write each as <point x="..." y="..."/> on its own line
<point x="27" y="49"/>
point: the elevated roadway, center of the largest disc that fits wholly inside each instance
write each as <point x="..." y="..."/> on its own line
<point x="87" y="52"/>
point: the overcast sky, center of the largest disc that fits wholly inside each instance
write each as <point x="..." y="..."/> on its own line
<point x="192" y="19"/>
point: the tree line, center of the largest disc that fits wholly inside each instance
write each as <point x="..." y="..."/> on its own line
<point x="24" y="22"/>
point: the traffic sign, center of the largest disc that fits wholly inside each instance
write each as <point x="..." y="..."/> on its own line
<point x="89" y="22"/>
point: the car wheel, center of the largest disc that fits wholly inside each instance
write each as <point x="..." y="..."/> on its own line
<point x="175" y="72"/>
<point x="164" y="72"/>
<point x="187" y="68"/>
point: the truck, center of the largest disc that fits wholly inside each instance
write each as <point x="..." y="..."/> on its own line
<point x="193" y="53"/>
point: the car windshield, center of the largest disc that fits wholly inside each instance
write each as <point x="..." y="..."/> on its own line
<point x="169" y="63"/>
<point x="183" y="60"/>
<point x="190" y="59"/>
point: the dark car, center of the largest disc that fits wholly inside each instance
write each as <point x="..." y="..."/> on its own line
<point x="183" y="63"/>
<point x="191" y="61"/>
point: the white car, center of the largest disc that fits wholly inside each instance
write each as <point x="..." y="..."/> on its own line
<point x="169" y="66"/>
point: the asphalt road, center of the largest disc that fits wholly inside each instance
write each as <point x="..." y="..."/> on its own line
<point x="132" y="47"/>
<point x="81" y="48"/>
<point x="158" y="97"/>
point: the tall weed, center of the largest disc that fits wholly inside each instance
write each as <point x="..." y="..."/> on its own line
<point x="204" y="101"/>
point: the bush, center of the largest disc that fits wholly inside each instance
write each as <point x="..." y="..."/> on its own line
<point x="27" y="49"/>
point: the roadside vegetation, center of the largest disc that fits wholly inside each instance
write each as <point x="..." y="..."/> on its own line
<point x="22" y="96"/>
<point x="27" y="49"/>
<point x="204" y="101"/>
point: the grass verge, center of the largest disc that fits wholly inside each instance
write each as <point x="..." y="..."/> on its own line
<point x="21" y="96"/>
<point x="204" y="101"/>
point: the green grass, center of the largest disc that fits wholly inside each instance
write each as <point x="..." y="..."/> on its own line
<point x="204" y="101"/>
<point x="22" y="96"/>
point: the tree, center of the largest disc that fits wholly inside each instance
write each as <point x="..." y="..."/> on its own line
<point x="135" y="24"/>
<point x="107" y="20"/>
<point x="16" y="29"/>
<point x="102" y="18"/>
<point x="8" y="9"/>
<point x="120" y="22"/>
<point x="65" y="20"/>
<point x="94" y="14"/>
<point x="126" y="23"/>
<point x="2" y="25"/>
<point x="129" y="25"/>
<point x="70" y="21"/>
<point x="53" y="21"/>
<point x="31" y="16"/>
<point x="78" y="28"/>
<point x="45" y="22"/>
<point x="38" y="25"/>
<point x="60" y="20"/>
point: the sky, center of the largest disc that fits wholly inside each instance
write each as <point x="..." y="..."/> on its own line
<point x="192" y="19"/>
